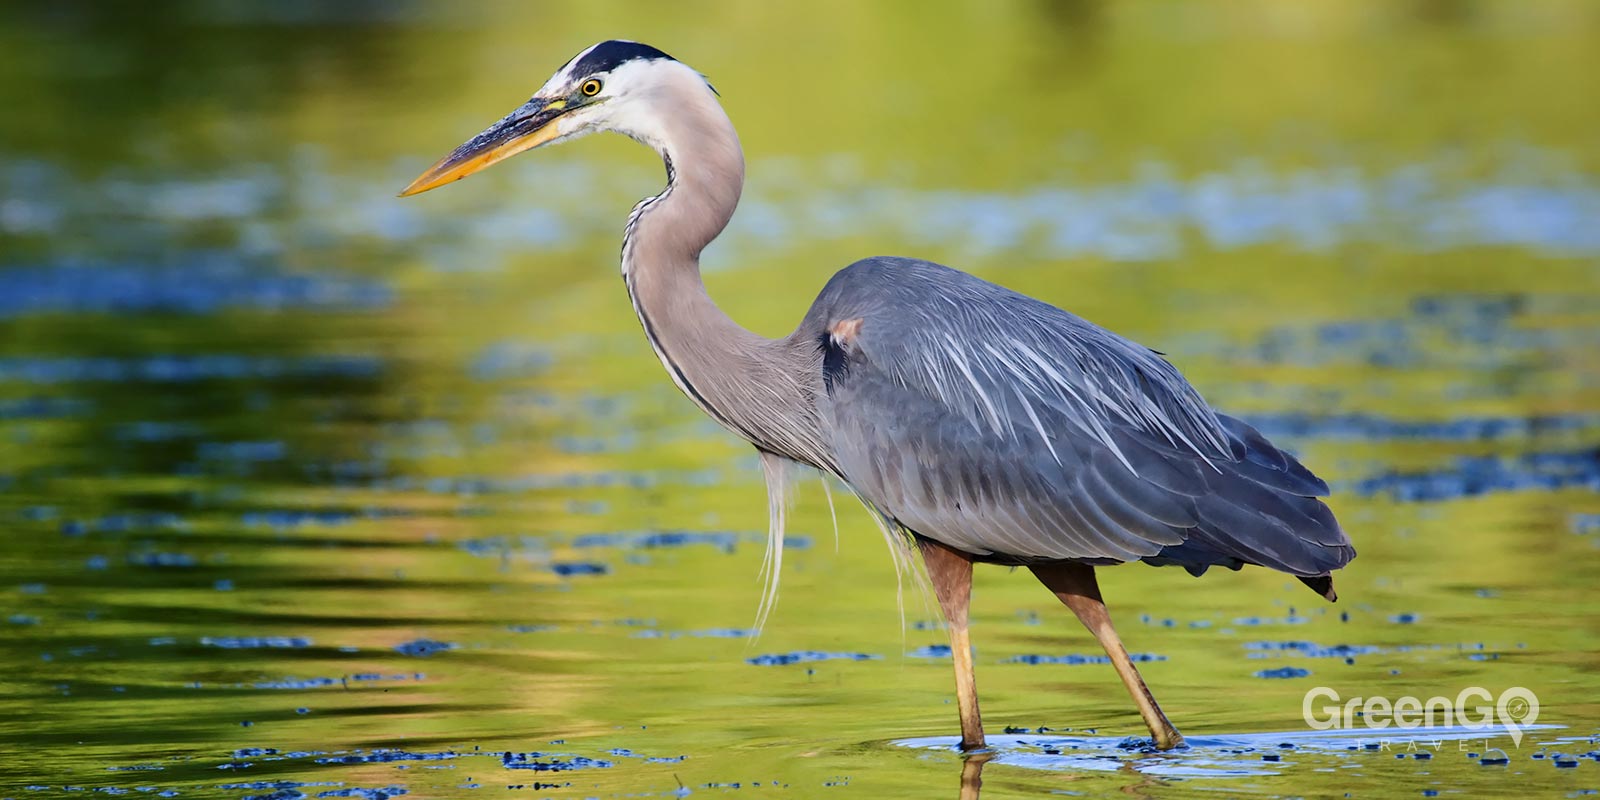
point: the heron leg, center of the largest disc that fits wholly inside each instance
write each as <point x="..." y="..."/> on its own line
<point x="951" y="574"/>
<point x="1077" y="588"/>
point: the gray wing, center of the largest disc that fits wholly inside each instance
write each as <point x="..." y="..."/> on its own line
<point x="1008" y="428"/>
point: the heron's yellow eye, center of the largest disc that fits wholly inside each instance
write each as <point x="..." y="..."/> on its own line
<point x="591" y="87"/>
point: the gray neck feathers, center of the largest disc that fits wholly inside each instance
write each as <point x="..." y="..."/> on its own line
<point x="761" y="389"/>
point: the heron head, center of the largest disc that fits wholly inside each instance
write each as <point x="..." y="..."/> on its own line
<point x="612" y="86"/>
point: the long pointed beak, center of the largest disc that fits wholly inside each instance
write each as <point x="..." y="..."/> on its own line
<point x="528" y="127"/>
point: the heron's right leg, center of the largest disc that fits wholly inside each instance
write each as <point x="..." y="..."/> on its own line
<point x="951" y="573"/>
<point x="1077" y="588"/>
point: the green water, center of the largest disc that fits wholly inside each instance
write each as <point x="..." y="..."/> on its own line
<point x="293" y="472"/>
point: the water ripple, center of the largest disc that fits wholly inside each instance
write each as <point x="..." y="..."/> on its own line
<point x="1156" y="212"/>
<point x="200" y="286"/>
<point x="183" y="368"/>
<point x="1469" y="476"/>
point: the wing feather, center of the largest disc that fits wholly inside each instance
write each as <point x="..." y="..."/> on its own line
<point x="1006" y="427"/>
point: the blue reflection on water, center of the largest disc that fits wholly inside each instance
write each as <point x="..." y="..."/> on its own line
<point x="1467" y="476"/>
<point x="184" y="368"/>
<point x="1458" y="429"/>
<point x="199" y="286"/>
<point x="1157" y="212"/>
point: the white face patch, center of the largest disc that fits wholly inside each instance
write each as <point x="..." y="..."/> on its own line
<point x="556" y="86"/>
<point x="634" y="99"/>
<point x="569" y="125"/>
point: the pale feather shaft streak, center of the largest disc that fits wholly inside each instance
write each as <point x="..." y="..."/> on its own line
<point x="1100" y="385"/>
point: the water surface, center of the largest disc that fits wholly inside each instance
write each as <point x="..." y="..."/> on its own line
<point x="311" y="492"/>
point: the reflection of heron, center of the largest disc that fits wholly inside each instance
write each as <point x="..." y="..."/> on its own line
<point x="985" y="425"/>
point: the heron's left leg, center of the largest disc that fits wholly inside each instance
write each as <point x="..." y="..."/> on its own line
<point x="950" y="570"/>
<point x="1077" y="588"/>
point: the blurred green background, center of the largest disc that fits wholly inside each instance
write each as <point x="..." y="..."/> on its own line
<point x="310" y="491"/>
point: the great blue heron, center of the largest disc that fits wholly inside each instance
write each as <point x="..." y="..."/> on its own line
<point x="979" y="423"/>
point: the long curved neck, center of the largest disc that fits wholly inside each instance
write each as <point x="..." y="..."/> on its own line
<point x="758" y="388"/>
